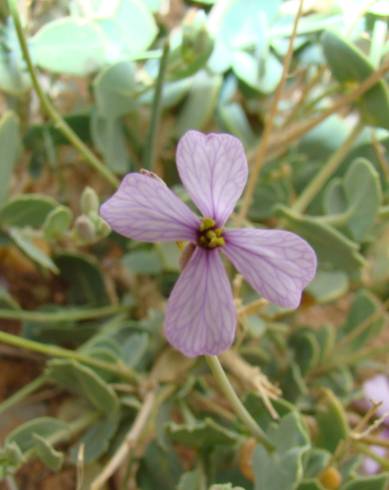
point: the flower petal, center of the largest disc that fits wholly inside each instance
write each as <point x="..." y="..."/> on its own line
<point x="213" y="169"/>
<point x="200" y="315"/>
<point x="145" y="209"/>
<point x="278" y="264"/>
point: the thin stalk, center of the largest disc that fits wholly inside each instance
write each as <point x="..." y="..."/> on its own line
<point x="383" y="462"/>
<point x="375" y="441"/>
<point x="49" y="108"/>
<point x="61" y="316"/>
<point x="269" y="123"/>
<point x="240" y="410"/>
<point x="327" y="170"/>
<point x="128" y="443"/>
<point x="23" y="393"/>
<point x="54" y="351"/>
<point x="281" y="141"/>
<point x="151" y="137"/>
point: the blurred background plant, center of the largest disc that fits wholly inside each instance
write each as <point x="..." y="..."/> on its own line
<point x="92" y="396"/>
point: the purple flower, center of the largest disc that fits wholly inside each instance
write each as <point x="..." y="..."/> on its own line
<point x="200" y="315"/>
<point x="376" y="389"/>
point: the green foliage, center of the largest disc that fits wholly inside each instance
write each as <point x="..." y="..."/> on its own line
<point x="331" y="421"/>
<point x="92" y="302"/>
<point x="83" y="381"/>
<point x="349" y="65"/>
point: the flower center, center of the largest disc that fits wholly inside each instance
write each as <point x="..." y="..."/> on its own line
<point x="209" y="236"/>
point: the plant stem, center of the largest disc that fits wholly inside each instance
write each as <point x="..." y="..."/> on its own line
<point x="282" y="141"/>
<point x="240" y="410"/>
<point x="151" y="137"/>
<point x="22" y="393"/>
<point x="383" y="462"/>
<point x="54" y="351"/>
<point x="327" y="170"/>
<point x="128" y="443"/>
<point x="49" y="108"/>
<point x="269" y="123"/>
<point x="61" y="316"/>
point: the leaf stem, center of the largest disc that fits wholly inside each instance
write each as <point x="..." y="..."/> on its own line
<point x="54" y="351"/>
<point x="61" y="316"/>
<point x="149" y="148"/>
<point x="317" y="183"/>
<point x="240" y="410"/>
<point x="49" y="108"/>
<point x="23" y="393"/>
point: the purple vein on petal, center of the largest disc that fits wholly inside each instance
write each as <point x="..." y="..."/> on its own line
<point x="144" y="208"/>
<point x="278" y="264"/>
<point x="200" y="316"/>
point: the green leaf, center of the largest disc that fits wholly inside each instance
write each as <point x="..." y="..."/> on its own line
<point x="191" y="46"/>
<point x="334" y="250"/>
<point x="114" y="90"/>
<point x="358" y="195"/>
<point x="143" y="262"/>
<point x="275" y="471"/>
<point x="261" y="79"/>
<point x="10" y="144"/>
<point x="289" y="434"/>
<point x="109" y="137"/>
<point x="326" y="337"/>
<point x="235" y="121"/>
<point x="364" y="307"/>
<point x="84" y="382"/>
<point x="377" y="482"/>
<point x="134" y="348"/>
<point x="306" y="349"/>
<point x="200" y="104"/>
<point x="310" y="485"/>
<point x="328" y="286"/>
<point x="331" y="421"/>
<point x="25" y="242"/>
<point x="314" y="462"/>
<point x="57" y="222"/>
<point x="27" y="210"/>
<point x="97" y="438"/>
<point x="348" y="64"/>
<point x="81" y="45"/>
<point x="158" y="468"/>
<point x="259" y="412"/>
<point x="46" y="427"/>
<point x="11" y="457"/>
<point x="52" y="458"/>
<point x="14" y="78"/>
<point x="191" y="480"/>
<point x="235" y="22"/>
<point x="129" y="30"/>
<point x="84" y="278"/>
<point x="206" y="433"/>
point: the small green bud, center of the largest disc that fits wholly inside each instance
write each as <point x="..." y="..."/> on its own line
<point x="102" y="227"/>
<point x="89" y="200"/>
<point x="85" y="229"/>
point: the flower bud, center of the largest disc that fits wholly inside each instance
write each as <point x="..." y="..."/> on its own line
<point x="89" y="200"/>
<point x="85" y="229"/>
